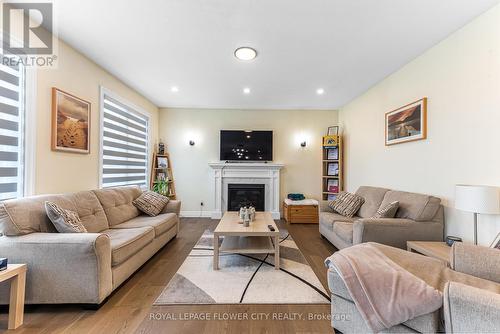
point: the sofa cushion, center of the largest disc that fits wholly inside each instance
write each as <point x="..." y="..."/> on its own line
<point x="28" y="215"/>
<point x="328" y="218"/>
<point x="65" y="221"/>
<point x="151" y="203"/>
<point x="346" y="204"/>
<point x="125" y="242"/>
<point x="387" y="211"/>
<point x="373" y="197"/>
<point x="414" y="206"/>
<point x="117" y="203"/>
<point x="343" y="230"/>
<point x="161" y="223"/>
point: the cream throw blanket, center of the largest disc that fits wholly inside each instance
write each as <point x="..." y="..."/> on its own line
<point x="384" y="293"/>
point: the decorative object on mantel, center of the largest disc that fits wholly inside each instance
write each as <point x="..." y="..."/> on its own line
<point x="407" y="123"/>
<point x="70" y="123"/>
<point x="496" y="242"/>
<point x="332" y="177"/>
<point x="478" y="200"/>
<point x="162" y="179"/>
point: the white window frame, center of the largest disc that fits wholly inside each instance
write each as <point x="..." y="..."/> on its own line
<point x="27" y="112"/>
<point x="113" y="95"/>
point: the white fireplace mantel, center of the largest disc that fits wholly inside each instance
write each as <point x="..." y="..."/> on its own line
<point x="225" y="173"/>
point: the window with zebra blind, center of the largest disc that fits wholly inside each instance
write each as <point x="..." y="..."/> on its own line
<point x="124" y="143"/>
<point x="12" y="133"/>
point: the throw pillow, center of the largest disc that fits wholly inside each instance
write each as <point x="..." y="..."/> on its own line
<point x="150" y="203"/>
<point x="388" y="211"/>
<point x="346" y="204"/>
<point x="65" y="221"/>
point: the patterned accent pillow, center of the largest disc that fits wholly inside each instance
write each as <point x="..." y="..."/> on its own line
<point x="65" y="221"/>
<point x="151" y="203"/>
<point x="346" y="204"/>
<point x="388" y="211"/>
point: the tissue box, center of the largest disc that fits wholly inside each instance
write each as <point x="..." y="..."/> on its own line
<point x="3" y="263"/>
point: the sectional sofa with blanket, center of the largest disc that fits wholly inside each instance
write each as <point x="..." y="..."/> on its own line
<point x="82" y="267"/>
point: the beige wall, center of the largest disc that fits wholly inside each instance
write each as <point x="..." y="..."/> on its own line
<point x="302" y="172"/>
<point x="461" y="78"/>
<point x="63" y="172"/>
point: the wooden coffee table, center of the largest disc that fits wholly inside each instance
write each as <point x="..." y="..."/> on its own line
<point x="16" y="273"/>
<point x="254" y="239"/>
<point x="436" y="249"/>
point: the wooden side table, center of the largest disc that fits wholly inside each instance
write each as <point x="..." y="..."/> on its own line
<point x="305" y="211"/>
<point x="17" y="275"/>
<point x="435" y="249"/>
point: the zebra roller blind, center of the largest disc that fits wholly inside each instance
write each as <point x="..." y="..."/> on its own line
<point x="124" y="144"/>
<point x="11" y="131"/>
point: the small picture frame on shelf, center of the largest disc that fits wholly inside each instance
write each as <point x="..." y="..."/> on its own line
<point x="333" y="169"/>
<point x="162" y="162"/>
<point x="161" y="177"/>
<point x="496" y="243"/>
<point x="332" y="153"/>
<point x="331" y="197"/>
<point x="332" y="185"/>
<point x="333" y="131"/>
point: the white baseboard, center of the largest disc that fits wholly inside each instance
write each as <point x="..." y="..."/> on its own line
<point x="196" y="214"/>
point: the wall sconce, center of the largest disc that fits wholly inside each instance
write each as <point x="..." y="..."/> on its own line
<point x="303" y="144"/>
<point x="191" y="142"/>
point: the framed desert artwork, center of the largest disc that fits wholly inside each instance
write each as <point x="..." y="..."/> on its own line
<point x="70" y="123"/>
<point x="407" y="123"/>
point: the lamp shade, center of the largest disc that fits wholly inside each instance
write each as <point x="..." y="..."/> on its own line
<point x="477" y="199"/>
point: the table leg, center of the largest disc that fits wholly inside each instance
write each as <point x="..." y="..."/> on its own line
<point x="16" y="305"/>
<point x="277" y="252"/>
<point x="216" y="252"/>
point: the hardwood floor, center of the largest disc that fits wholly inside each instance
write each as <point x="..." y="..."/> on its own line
<point x="130" y="310"/>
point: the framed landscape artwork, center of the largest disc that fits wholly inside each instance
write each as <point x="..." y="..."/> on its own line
<point x="70" y="123"/>
<point x="407" y="123"/>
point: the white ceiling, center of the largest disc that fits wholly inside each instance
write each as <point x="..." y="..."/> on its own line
<point x="343" y="46"/>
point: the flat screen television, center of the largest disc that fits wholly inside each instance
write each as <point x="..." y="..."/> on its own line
<point x="239" y="145"/>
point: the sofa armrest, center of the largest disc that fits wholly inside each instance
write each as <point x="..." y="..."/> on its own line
<point x="395" y="231"/>
<point x="470" y="310"/>
<point x="479" y="261"/>
<point x="62" y="267"/>
<point x="172" y="206"/>
<point x="323" y="207"/>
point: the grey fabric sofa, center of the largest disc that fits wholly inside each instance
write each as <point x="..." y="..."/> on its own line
<point x="471" y="292"/>
<point x="419" y="217"/>
<point x="82" y="267"/>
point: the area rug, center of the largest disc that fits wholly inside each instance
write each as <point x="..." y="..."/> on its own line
<point x="244" y="278"/>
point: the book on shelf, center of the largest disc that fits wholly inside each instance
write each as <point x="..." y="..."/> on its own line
<point x="333" y="186"/>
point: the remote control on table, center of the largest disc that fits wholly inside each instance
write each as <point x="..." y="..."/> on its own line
<point x="271" y="228"/>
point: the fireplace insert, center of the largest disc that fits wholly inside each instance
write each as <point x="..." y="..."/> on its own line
<point x="246" y="195"/>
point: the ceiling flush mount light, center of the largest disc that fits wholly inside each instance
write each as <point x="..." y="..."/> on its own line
<point x="320" y="91"/>
<point x="174" y="89"/>
<point x="245" y="53"/>
<point x="246" y="90"/>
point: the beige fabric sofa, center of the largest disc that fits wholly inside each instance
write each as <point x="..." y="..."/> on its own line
<point x="419" y="217"/>
<point x="82" y="267"/>
<point x="471" y="292"/>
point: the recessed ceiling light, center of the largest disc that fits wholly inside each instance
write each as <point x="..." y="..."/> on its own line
<point x="320" y="91"/>
<point x="174" y="89"/>
<point x="245" y="53"/>
<point x="246" y="90"/>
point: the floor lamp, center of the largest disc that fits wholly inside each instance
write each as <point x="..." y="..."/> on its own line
<point x="478" y="200"/>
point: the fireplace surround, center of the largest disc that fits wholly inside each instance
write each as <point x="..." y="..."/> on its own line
<point x="267" y="174"/>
